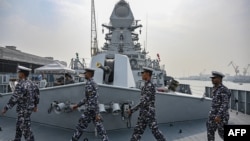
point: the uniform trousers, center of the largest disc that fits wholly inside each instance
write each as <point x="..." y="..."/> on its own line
<point x="82" y="125"/>
<point x="147" y="117"/>
<point x="212" y="126"/>
<point x="23" y="126"/>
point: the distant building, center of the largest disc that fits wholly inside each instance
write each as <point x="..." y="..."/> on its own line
<point x="10" y="58"/>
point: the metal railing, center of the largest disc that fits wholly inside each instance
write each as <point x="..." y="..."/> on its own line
<point x="239" y="101"/>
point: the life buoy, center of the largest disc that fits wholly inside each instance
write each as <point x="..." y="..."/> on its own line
<point x="133" y="63"/>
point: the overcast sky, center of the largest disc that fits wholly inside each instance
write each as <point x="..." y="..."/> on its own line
<point x="191" y="36"/>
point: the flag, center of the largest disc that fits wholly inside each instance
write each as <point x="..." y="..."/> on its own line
<point x="158" y="56"/>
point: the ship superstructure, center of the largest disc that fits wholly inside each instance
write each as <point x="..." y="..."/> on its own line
<point x="122" y="39"/>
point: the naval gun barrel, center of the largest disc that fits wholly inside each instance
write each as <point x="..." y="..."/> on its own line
<point x="106" y="69"/>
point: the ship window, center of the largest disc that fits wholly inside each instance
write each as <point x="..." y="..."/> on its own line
<point x="135" y="56"/>
<point x="129" y="56"/>
<point x="142" y="57"/>
<point x="4" y="78"/>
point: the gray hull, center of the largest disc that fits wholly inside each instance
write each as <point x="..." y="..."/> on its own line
<point x="170" y="107"/>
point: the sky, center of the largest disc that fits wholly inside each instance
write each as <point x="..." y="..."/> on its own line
<point x="191" y="36"/>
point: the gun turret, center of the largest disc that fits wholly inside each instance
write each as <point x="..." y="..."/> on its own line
<point x="108" y="75"/>
<point x="106" y="69"/>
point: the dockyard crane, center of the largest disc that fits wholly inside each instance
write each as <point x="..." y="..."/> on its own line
<point x="245" y="70"/>
<point x="94" y="44"/>
<point x="236" y="68"/>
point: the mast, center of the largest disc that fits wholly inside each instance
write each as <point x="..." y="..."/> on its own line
<point x="94" y="45"/>
<point x="146" y="33"/>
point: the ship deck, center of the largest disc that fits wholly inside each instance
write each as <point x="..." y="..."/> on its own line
<point x="191" y="130"/>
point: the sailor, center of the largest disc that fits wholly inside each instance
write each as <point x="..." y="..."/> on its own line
<point x="26" y="96"/>
<point x="92" y="108"/>
<point x="218" y="115"/>
<point x="147" y="109"/>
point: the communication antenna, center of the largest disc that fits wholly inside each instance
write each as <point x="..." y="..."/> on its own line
<point x="146" y="43"/>
<point x="93" y="43"/>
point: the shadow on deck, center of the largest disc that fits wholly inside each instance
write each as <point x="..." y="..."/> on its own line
<point x="190" y="131"/>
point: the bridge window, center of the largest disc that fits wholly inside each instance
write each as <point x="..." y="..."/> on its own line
<point x="135" y="56"/>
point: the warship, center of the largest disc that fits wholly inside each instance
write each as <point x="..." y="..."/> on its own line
<point x="118" y="69"/>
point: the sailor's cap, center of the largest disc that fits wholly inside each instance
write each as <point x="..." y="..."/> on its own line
<point x="147" y="69"/>
<point x="217" y="74"/>
<point x="22" y="68"/>
<point x="89" y="70"/>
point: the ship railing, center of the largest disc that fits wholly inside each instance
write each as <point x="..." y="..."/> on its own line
<point x="239" y="101"/>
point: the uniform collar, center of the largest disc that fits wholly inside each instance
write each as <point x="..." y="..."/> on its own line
<point x="23" y="79"/>
<point x="216" y="88"/>
<point x="90" y="79"/>
<point x="147" y="82"/>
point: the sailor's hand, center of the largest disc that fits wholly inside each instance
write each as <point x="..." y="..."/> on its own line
<point x="75" y="107"/>
<point x="3" y="111"/>
<point x="129" y="112"/>
<point x="98" y="117"/>
<point x="35" y="109"/>
<point x="217" y="119"/>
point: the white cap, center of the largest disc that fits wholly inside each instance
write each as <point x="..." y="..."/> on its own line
<point x="217" y="74"/>
<point x="22" y="68"/>
<point x="89" y="69"/>
<point x="147" y="69"/>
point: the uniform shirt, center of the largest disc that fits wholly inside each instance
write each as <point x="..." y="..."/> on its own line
<point x="147" y="99"/>
<point x="220" y="101"/>
<point x="26" y="96"/>
<point x="91" y="96"/>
